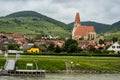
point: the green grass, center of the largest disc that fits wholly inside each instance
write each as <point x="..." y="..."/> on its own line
<point x="79" y="63"/>
<point x="58" y="62"/>
<point x="2" y="61"/>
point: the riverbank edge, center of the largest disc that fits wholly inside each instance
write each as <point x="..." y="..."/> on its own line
<point x="84" y="71"/>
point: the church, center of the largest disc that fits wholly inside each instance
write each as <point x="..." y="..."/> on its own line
<point x="81" y="32"/>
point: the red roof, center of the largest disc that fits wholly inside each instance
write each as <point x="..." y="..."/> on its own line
<point x="84" y="30"/>
<point x="16" y="35"/>
<point x="77" y="18"/>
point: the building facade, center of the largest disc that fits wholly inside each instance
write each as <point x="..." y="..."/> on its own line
<point x="81" y="32"/>
<point x="115" y="47"/>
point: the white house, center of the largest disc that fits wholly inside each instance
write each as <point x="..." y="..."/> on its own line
<point x="115" y="47"/>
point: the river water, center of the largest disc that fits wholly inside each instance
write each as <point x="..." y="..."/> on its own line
<point x="66" y="77"/>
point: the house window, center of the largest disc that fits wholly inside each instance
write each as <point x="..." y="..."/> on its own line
<point x="113" y="46"/>
<point x="118" y="46"/>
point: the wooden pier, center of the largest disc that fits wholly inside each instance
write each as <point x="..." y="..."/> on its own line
<point x="23" y="73"/>
<point x="9" y="69"/>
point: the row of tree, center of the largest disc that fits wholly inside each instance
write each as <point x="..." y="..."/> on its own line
<point x="70" y="46"/>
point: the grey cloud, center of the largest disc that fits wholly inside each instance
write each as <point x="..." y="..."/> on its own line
<point x="105" y="11"/>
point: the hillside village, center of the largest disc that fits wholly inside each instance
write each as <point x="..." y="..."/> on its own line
<point x="83" y="39"/>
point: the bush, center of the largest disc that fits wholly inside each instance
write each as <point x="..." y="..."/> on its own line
<point x="72" y="48"/>
<point x="74" y="54"/>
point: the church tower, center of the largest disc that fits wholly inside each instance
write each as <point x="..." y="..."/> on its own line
<point x="76" y="24"/>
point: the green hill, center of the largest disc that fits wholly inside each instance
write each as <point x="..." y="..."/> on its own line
<point x="30" y="22"/>
<point x="114" y="31"/>
<point x="115" y="27"/>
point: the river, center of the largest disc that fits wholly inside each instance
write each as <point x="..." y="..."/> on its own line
<point x="66" y="77"/>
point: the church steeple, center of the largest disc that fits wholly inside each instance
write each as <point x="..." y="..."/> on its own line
<point x="76" y="24"/>
<point x="77" y="18"/>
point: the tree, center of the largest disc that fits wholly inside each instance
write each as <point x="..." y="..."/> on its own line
<point x="114" y="39"/>
<point x="91" y="48"/>
<point x="57" y="49"/>
<point x="12" y="47"/>
<point x="80" y="49"/>
<point x="107" y="47"/>
<point x="69" y="44"/>
<point x="38" y="37"/>
<point x="72" y="48"/>
<point x="101" y="41"/>
<point x="31" y="40"/>
<point x="51" y="47"/>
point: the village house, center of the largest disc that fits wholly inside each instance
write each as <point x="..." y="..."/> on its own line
<point x="47" y="37"/>
<point x="30" y="47"/>
<point x="30" y="36"/>
<point x="58" y="43"/>
<point x="115" y="47"/>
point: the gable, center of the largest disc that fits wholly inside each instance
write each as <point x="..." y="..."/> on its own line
<point x="115" y="47"/>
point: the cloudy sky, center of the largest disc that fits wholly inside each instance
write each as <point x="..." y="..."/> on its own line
<point x="103" y="11"/>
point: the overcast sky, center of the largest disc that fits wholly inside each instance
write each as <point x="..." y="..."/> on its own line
<point x="103" y="11"/>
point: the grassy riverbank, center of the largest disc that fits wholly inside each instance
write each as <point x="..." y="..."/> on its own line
<point x="76" y="63"/>
<point x="55" y="63"/>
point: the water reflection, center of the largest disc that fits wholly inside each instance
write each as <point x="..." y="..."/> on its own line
<point x="66" y="77"/>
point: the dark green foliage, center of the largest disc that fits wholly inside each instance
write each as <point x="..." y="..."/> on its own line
<point x="97" y="53"/>
<point x="101" y="41"/>
<point x="2" y="63"/>
<point x="31" y="40"/>
<point x="17" y="21"/>
<point x="72" y="48"/>
<point x="91" y="48"/>
<point x="13" y="47"/>
<point x="79" y="49"/>
<point x="51" y="47"/>
<point x="57" y="49"/>
<point x="70" y="44"/>
<point x="114" y="39"/>
<point x="38" y="37"/>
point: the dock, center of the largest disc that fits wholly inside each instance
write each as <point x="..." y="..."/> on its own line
<point x="9" y="70"/>
<point x="40" y="73"/>
<point x="27" y="73"/>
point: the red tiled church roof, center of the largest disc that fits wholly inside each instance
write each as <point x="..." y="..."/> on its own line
<point x="77" y="18"/>
<point x="83" y="30"/>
